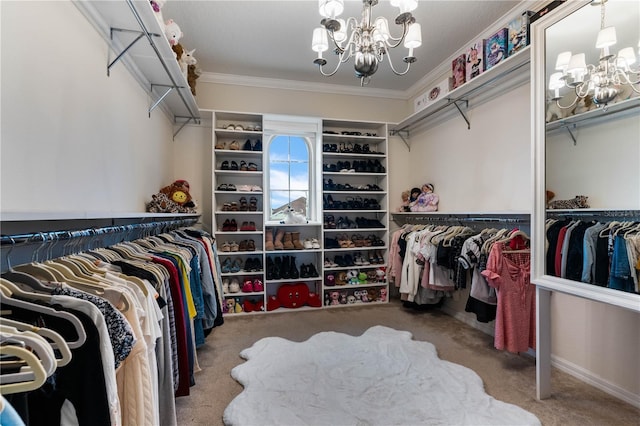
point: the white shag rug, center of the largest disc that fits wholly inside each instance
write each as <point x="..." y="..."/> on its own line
<point x="380" y="378"/>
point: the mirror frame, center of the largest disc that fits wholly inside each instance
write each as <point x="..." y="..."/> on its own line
<point x="619" y="298"/>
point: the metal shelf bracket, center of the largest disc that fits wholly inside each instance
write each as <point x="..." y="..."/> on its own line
<point x="126" y="49"/>
<point x="156" y="103"/>
<point x="573" y="137"/>
<point x="402" y="134"/>
<point x="188" y="120"/>
<point x="466" y="105"/>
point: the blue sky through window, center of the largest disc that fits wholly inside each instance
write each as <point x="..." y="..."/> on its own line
<point x="288" y="171"/>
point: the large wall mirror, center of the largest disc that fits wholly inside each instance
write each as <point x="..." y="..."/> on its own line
<point x="587" y="151"/>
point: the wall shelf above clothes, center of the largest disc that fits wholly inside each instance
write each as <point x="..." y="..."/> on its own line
<point x="507" y="75"/>
<point x="595" y="116"/>
<point x="134" y="36"/>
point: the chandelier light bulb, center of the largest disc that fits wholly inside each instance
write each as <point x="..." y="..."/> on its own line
<point x="627" y="56"/>
<point x="382" y="29"/>
<point x="414" y="37"/>
<point x="341" y="34"/>
<point x="330" y="8"/>
<point x="563" y="61"/>
<point x="606" y="37"/>
<point x="320" y="42"/>
<point x="405" y="5"/>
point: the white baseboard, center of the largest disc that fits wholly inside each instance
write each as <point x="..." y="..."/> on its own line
<point x="587" y="376"/>
<point x="561" y="364"/>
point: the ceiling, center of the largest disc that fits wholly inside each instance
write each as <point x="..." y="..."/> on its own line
<point x="272" y="39"/>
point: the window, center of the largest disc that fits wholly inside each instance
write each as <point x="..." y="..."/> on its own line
<point x="292" y="167"/>
<point x="289" y="175"/>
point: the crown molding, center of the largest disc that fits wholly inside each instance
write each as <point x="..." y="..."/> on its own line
<point x="304" y="86"/>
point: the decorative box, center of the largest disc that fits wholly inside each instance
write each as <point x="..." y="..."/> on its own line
<point x="475" y="60"/>
<point x="495" y="48"/>
<point x="518" y="33"/>
<point x="458" y="71"/>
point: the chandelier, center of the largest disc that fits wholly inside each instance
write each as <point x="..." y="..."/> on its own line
<point x="367" y="41"/>
<point x="602" y="82"/>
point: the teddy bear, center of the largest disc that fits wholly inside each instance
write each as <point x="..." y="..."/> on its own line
<point x="172" y="32"/>
<point x="232" y="306"/>
<point x="174" y="198"/>
<point x="193" y="74"/>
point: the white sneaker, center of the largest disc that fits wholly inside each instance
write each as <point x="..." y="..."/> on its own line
<point x="307" y="244"/>
<point x="225" y="285"/>
<point x="314" y="243"/>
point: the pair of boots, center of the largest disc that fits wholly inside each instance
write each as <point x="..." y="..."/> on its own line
<point x="282" y="240"/>
<point x="282" y="268"/>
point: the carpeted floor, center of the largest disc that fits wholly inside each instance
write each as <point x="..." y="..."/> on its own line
<point x="507" y="377"/>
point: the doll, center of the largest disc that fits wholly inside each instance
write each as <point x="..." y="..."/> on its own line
<point x="413" y="198"/>
<point x="427" y="201"/>
<point x="404" y="207"/>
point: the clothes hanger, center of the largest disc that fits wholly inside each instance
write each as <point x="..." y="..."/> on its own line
<point x="36" y="377"/>
<point x="9" y="300"/>
<point x="34" y="342"/>
<point x="22" y="277"/>
<point x="57" y="341"/>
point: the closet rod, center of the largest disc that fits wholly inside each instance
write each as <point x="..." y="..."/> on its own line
<point x="462" y="218"/>
<point x="55" y="236"/>
<point x="594" y="213"/>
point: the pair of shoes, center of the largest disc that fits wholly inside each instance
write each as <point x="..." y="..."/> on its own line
<point x="248" y="226"/>
<point x="250" y="286"/>
<point x="226" y="187"/>
<point x="247" y="245"/>
<point x="228" y="266"/>
<point x="234" y="146"/>
<point x="311" y="243"/>
<point x="234" y="286"/>
<point x="229" y="225"/>
<point x="308" y="271"/>
<point x="252" y="264"/>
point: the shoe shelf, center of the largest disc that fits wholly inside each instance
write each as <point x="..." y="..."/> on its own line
<point x="241" y="293"/>
<point x="353" y="146"/>
<point x="239" y="152"/>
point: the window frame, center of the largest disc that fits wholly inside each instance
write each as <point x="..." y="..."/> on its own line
<point x="310" y="130"/>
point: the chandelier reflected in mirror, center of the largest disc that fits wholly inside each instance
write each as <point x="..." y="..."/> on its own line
<point x="602" y="82"/>
<point x="367" y="41"/>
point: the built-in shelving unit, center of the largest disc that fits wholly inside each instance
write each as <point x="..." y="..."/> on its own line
<point x="511" y="73"/>
<point x="363" y="146"/>
<point x="135" y="38"/>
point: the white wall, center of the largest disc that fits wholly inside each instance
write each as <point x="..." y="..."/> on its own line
<point x="73" y="139"/>
<point x="603" y="164"/>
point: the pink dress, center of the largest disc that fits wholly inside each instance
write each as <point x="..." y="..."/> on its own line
<point x="509" y="273"/>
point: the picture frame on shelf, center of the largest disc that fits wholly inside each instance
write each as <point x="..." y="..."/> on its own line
<point x="518" y="33"/>
<point x="475" y="59"/>
<point x="495" y="48"/>
<point x="459" y="71"/>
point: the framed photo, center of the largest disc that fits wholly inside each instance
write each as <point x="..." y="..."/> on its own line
<point x="475" y="60"/>
<point x="495" y="48"/>
<point x="438" y="92"/>
<point x="459" y="71"/>
<point x="518" y="33"/>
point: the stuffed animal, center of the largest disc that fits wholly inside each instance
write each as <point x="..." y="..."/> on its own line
<point x="178" y="50"/>
<point x="293" y="217"/>
<point x="343" y="298"/>
<point x="334" y="297"/>
<point x="373" y="294"/>
<point x="192" y="75"/>
<point x="362" y="278"/>
<point x="157" y="5"/>
<point x="174" y="198"/>
<point x="585" y="104"/>
<point x="233" y="307"/>
<point x="314" y="300"/>
<point x="383" y="295"/>
<point x="351" y="299"/>
<point x="293" y="295"/>
<point x="185" y="60"/>
<point x="352" y="277"/>
<point x="172" y="32"/>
